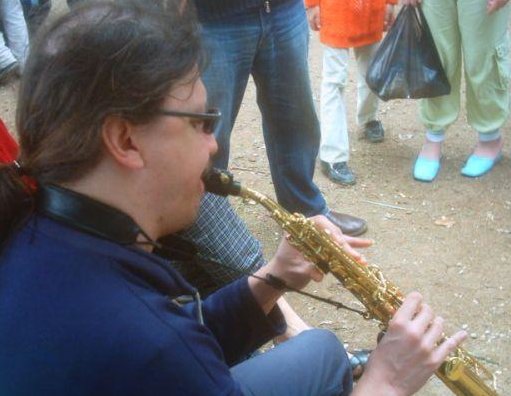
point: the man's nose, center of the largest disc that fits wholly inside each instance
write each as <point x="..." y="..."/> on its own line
<point x="212" y="144"/>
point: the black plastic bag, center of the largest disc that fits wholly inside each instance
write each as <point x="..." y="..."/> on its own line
<point x="407" y="64"/>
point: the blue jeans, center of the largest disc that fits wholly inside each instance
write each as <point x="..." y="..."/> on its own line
<point x="312" y="363"/>
<point x="272" y="47"/>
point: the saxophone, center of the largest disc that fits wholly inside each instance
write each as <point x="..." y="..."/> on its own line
<point x="462" y="373"/>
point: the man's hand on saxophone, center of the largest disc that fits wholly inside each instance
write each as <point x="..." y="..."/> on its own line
<point x="409" y="353"/>
<point x="348" y="243"/>
<point x="289" y="265"/>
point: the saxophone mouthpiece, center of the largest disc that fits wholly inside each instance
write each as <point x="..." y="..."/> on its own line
<point x="221" y="182"/>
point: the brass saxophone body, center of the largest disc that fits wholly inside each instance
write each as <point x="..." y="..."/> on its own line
<point x="462" y="373"/>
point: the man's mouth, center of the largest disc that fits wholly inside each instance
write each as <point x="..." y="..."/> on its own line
<point x="206" y="172"/>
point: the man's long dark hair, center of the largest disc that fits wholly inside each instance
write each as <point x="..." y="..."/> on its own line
<point x="103" y="58"/>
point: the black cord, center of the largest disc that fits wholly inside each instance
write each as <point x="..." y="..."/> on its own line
<point x="281" y="285"/>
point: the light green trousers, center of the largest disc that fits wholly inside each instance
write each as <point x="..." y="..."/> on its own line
<point x="463" y="30"/>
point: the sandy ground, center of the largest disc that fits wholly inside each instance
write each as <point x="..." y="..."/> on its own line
<point x="450" y="239"/>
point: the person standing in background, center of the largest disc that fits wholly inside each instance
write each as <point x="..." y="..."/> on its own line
<point x="357" y="24"/>
<point x="475" y="31"/>
<point x="269" y="41"/>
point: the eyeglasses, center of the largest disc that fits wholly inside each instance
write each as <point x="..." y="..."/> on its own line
<point x="209" y="119"/>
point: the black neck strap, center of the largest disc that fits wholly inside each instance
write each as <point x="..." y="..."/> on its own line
<point x="86" y="214"/>
<point x="96" y="218"/>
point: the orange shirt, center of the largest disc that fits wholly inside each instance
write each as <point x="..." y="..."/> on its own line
<point x="350" y="23"/>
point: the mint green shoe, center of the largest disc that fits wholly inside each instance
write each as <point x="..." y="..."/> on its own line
<point x="477" y="166"/>
<point x="425" y="169"/>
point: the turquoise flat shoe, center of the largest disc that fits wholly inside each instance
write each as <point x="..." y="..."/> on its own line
<point x="425" y="169"/>
<point x="477" y="166"/>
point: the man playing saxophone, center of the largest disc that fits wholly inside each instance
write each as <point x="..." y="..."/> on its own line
<point x="115" y="132"/>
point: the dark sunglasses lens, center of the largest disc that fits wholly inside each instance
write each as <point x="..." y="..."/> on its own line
<point x="210" y="124"/>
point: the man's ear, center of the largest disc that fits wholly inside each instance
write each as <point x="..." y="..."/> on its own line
<point x="118" y="138"/>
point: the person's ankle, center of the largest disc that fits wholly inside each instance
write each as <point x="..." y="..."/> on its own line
<point x="432" y="147"/>
<point x="431" y="150"/>
<point x="489" y="148"/>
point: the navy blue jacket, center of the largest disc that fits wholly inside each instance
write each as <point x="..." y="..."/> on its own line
<point x="81" y="315"/>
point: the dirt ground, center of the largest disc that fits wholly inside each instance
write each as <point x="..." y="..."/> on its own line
<point x="450" y="239"/>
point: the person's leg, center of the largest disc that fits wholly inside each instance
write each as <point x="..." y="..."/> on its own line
<point x="221" y="235"/>
<point x="8" y="63"/>
<point x="334" y="126"/>
<point x="442" y="17"/>
<point x="487" y="73"/>
<point x="290" y="125"/>
<point x="487" y="64"/>
<point x="7" y="59"/>
<point x="15" y="29"/>
<point x="367" y="101"/>
<point x="231" y="44"/>
<point x="312" y="363"/>
<point x="334" y="150"/>
<point x="438" y="113"/>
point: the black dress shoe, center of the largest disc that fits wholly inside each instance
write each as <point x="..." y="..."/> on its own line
<point x="338" y="172"/>
<point x="349" y="225"/>
<point x="374" y="132"/>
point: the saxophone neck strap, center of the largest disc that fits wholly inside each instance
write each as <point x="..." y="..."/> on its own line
<point x="96" y="218"/>
<point x="86" y="214"/>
